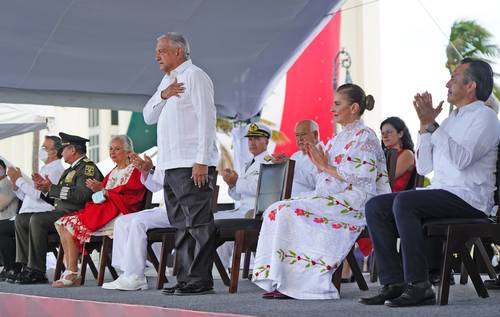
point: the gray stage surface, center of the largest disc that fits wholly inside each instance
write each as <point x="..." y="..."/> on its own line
<point x="463" y="301"/>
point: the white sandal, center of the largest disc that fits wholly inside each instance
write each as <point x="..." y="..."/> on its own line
<point x="63" y="282"/>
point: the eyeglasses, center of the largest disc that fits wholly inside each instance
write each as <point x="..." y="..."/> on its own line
<point x="47" y="148"/>
<point x="388" y="132"/>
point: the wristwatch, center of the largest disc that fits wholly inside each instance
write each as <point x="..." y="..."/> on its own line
<point x="432" y="127"/>
<point x="152" y="170"/>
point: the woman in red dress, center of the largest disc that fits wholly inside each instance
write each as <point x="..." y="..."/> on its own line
<point x="395" y="135"/>
<point x="121" y="192"/>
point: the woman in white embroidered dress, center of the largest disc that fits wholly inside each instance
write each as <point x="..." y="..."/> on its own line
<point x="303" y="240"/>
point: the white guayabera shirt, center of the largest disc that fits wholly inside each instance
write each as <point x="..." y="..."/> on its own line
<point x="186" y="124"/>
<point x="462" y="152"/>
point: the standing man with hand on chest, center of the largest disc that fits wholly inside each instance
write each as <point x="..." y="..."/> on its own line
<point x="184" y="109"/>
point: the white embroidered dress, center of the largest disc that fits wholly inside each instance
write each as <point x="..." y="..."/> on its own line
<point x="303" y="240"/>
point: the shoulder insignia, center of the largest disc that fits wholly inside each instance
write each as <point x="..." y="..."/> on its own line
<point x="89" y="170"/>
<point x="86" y="160"/>
<point x="268" y="158"/>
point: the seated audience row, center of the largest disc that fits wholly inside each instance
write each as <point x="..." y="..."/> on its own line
<point x="303" y="240"/>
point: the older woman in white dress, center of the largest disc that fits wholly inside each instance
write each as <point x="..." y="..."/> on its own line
<point x="303" y="240"/>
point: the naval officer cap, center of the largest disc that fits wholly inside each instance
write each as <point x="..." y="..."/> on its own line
<point x="258" y="130"/>
<point x="68" y="139"/>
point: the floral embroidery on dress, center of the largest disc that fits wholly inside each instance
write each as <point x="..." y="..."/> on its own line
<point x="359" y="162"/>
<point x="78" y="229"/>
<point x="348" y="145"/>
<point x="310" y="263"/>
<point x="119" y="177"/>
<point x="326" y="221"/>
<point x="263" y="270"/>
<point x="338" y="159"/>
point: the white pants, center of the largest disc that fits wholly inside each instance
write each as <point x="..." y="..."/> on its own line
<point x="130" y="239"/>
<point x="225" y="251"/>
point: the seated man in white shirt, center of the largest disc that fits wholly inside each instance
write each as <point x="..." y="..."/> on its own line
<point x="50" y="154"/>
<point x="130" y="233"/>
<point x="462" y="152"/>
<point x="243" y="185"/>
<point x="305" y="173"/>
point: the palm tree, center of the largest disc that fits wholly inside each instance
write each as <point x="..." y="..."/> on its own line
<point x="469" y="39"/>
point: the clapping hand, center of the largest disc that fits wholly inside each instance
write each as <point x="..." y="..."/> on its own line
<point x="230" y="177"/>
<point x="41" y="183"/>
<point x="280" y="158"/>
<point x="427" y="114"/>
<point x="317" y="156"/>
<point x="174" y="89"/>
<point x="14" y="173"/>
<point x="93" y="185"/>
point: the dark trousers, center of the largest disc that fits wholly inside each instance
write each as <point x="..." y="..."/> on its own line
<point x="188" y="209"/>
<point x="32" y="231"/>
<point x="401" y="214"/>
<point x="7" y="244"/>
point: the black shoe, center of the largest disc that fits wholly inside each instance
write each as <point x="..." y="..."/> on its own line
<point x="11" y="274"/>
<point x="32" y="276"/>
<point x="14" y="274"/>
<point x="435" y="278"/>
<point x="171" y="290"/>
<point x="415" y="295"/>
<point x="193" y="289"/>
<point x="492" y="284"/>
<point x="3" y="274"/>
<point x="385" y="292"/>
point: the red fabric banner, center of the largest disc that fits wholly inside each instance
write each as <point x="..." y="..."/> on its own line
<point x="309" y="86"/>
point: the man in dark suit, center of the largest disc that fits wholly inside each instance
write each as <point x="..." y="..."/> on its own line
<point x="69" y="195"/>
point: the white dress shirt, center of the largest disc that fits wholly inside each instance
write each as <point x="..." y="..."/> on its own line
<point x="186" y="124"/>
<point x="305" y="173"/>
<point x="8" y="200"/>
<point x="245" y="190"/>
<point x="462" y="152"/>
<point x="30" y="196"/>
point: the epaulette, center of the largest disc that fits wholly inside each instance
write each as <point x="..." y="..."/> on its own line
<point x="268" y="158"/>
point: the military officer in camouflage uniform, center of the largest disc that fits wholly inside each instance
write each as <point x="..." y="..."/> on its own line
<point x="69" y="195"/>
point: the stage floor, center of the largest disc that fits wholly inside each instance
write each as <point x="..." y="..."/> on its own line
<point x="248" y="301"/>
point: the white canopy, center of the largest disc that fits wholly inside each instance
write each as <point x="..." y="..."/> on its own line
<point x="100" y="53"/>
<point x="19" y="119"/>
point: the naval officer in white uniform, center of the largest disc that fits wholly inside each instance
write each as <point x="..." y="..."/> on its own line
<point x="243" y="184"/>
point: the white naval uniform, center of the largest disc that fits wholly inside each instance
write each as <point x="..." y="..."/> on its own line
<point x="305" y="173"/>
<point x="245" y="192"/>
<point x="130" y="231"/>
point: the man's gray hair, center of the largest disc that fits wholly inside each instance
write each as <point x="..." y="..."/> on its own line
<point x="313" y="125"/>
<point x="178" y="40"/>
<point x="128" y="145"/>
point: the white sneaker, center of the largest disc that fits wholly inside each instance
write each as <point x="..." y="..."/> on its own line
<point x="112" y="285"/>
<point x="130" y="283"/>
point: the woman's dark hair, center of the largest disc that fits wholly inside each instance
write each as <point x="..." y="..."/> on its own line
<point x="481" y="73"/>
<point x="357" y="95"/>
<point x="2" y="164"/>
<point x="400" y="126"/>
